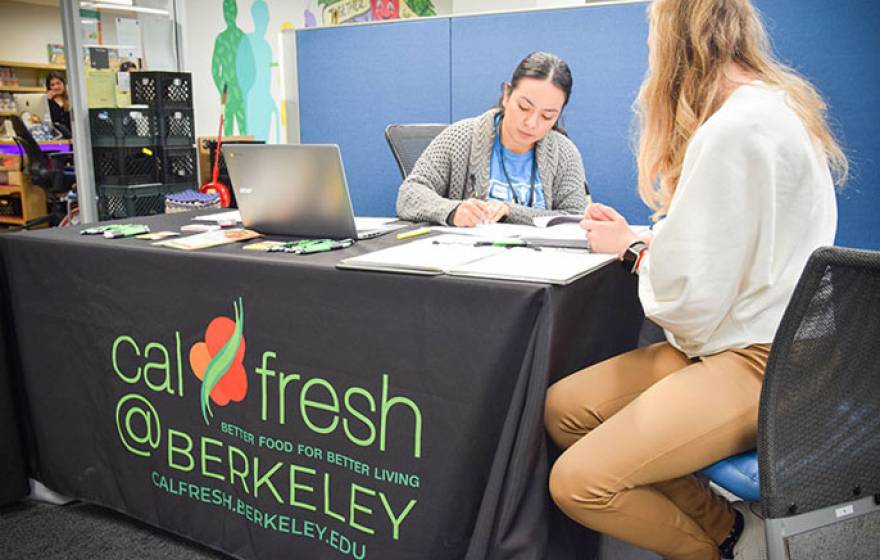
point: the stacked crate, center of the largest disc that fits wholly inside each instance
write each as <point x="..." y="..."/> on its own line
<point x="145" y="151"/>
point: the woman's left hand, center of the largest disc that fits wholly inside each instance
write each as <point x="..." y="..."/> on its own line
<point x="607" y="230"/>
<point x="497" y="210"/>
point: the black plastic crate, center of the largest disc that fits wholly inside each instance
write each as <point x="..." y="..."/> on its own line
<point x="128" y="126"/>
<point x="176" y="127"/>
<point x="10" y="206"/>
<point x="179" y="165"/>
<point x="126" y="166"/>
<point x="126" y="201"/>
<point x="162" y="90"/>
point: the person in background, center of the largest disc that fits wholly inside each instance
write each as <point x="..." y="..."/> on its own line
<point x="736" y="153"/>
<point x="59" y="102"/>
<point x="511" y="163"/>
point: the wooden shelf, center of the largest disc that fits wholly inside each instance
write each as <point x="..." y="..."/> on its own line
<point x="60" y="141"/>
<point x="33" y="65"/>
<point x="23" y="89"/>
<point x="33" y="201"/>
<point x="7" y="190"/>
<point x="11" y="220"/>
<point x="7" y="113"/>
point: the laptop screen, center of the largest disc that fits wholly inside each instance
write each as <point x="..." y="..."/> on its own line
<point x="294" y="190"/>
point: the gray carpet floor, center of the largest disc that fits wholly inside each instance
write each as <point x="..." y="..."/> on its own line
<point x="77" y="531"/>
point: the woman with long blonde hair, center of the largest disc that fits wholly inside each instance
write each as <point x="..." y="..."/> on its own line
<point x="736" y="159"/>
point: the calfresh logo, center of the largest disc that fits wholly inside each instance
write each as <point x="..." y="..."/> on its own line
<point x="218" y="361"/>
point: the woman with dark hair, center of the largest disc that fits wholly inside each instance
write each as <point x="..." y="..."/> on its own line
<point x="512" y="163"/>
<point x="59" y="103"/>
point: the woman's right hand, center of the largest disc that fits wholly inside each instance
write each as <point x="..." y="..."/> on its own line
<point x="607" y="230"/>
<point x="471" y="212"/>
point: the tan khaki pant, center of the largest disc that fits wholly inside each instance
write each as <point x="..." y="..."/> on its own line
<point x="636" y="426"/>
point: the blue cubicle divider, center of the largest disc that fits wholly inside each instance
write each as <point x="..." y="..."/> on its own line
<point x="605" y="48"/>
<point x="355" y="80"/>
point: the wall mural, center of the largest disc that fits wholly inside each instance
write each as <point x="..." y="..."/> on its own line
<point x="224" y="69"/>
<point x="244" y="62"/>
<point x="335" y="12"/>
<point x="254" y="64"/>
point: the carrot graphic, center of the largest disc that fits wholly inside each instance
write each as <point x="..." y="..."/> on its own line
<point x="220" y="363"/>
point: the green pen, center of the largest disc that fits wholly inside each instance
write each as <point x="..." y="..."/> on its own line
<point x="507" y="244"/>
<point x="502" y="243"/>
<point x="324" y="245"/>
<point x="128" y="230"/>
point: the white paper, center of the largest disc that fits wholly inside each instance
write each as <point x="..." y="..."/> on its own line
<point x="553" y="266"/>
<point x="220" y="217"/>
<point x="565" y="232"/>
<point x="128" y="37"/>
<point x="489" y="231"/>
<point x="433" y="255"/>
<point x="364" y="223"/>
<point x="542" y="221"/>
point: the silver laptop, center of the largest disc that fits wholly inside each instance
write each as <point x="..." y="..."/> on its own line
<point x="33" y="103"/>
<point x="296" y="190"/>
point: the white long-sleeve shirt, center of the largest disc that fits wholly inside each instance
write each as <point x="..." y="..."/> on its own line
<point x="755" y="198"/>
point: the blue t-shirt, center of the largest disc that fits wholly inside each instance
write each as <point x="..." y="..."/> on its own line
<point x="519" y="169"/>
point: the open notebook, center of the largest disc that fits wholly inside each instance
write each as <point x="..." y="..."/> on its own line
<point x="457" y="256"/>
<point x="548" y="231"/>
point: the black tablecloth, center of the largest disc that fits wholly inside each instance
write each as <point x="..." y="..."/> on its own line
<point x="13" y="465"/>
<point x="271" y="405"/>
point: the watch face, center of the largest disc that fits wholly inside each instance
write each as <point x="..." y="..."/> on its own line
<point x="631" y="255"/>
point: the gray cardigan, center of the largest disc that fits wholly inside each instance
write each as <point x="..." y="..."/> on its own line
<point x="455" y="166"/>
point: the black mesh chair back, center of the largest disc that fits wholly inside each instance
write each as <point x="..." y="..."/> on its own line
<point x="37" y="162"/>
<point x="408" y="141"/>
<point x="45" y="172"/>
<point x="819" y="420"/>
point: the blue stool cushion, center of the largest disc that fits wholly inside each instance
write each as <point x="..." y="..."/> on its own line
<point x="737" y="474"/>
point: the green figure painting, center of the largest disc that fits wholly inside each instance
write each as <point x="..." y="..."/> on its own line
<point x="223" y="70"/>
<point x="254" y="64"/>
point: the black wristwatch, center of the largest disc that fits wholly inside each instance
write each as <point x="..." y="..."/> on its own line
<point x="632" y="256"/>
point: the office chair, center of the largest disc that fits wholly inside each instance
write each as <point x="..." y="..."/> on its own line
<point x="52" y="172"/>
<point x="819" y="423"/>
<point x="408" y="141"/>
<point x="818" y="454"/>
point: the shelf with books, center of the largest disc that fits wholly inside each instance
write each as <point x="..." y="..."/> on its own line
<point x="33" y="65"/>
<point x="26" y="77"/>
<point x="23" y="89"/>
